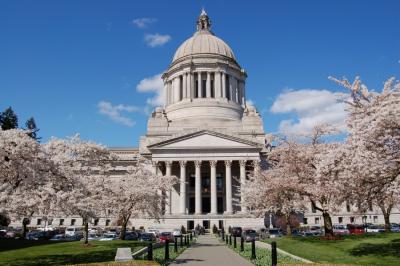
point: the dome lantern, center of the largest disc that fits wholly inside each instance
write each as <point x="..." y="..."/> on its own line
<point x="203" y="22"/>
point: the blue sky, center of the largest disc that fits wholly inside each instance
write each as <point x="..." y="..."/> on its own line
<point x="76" y="65"/>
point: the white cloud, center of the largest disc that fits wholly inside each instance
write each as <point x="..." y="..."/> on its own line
<point x="155" y="85"/>
<point x="154" y="40"/>
<point x="114" y="112"/>
<point x="311" y="107"/>
<point x="143" y="23"/>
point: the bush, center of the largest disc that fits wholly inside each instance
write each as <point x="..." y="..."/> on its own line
<point x="215" y="229"/>
<point x="183" y="229"/>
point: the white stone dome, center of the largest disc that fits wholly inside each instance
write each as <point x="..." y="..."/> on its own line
<point x="203" y="42"/>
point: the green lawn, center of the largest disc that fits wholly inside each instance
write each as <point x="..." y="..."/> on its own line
<point x="263" y="256"/>
<point x="20" y="252"/>
<point x="379" y="249"/>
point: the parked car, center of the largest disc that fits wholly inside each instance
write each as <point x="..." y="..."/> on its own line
<point x="316" y="230"/>
<point x="307" y="233"/>
<point x="340" y="229"/>
<point x="356" y="229"/>
<point x="153" y="231"/>
<point x="108" y="237"/>
<point x="395" y="228"/>
<point x="274" y="232"/>
<point x="177" y="232"/>
<point x="375" y="229"/>
<point x="59" y="237"/>
<point x="236" y="231"/>
<point x="38" y="235"/>
<point x="147" y="237"/>
<point x="131" y="236"/>
<point x="250" y="235"/>
<point x="71" y="231"/>
<point x="164" y="236"/>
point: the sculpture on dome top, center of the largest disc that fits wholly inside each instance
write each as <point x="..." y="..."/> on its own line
<point x="203" y="22"/>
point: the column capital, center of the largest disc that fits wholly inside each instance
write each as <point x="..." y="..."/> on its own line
<point x="213" y="163"/>
<point x="168" y="163"/>
<point x="242" y="163"/>
<point x="182" y="163"/>
<point x="228" y="163"/>
<point x="197" y="164"/>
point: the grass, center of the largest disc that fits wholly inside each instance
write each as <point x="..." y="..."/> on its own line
<point x="377" y="249"/>
<point x="25" y="252"/>
<point x="263" y="256"/>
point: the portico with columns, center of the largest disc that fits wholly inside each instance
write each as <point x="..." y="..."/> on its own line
<point x="206" y="134"/>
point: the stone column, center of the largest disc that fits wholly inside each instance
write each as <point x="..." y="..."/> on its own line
<point x="199" y="85"/>
<point x="223" y="88"/>
<point x="183" y="187"/>
<point x="231" y="91"/>
<point x="217" y="77"/>
<point x="208" y="85"/>
<point x="177" y="93"/>
<point x="191" y="86"/>
<point x="197" y="188"/>
<point x="228" y="188"/>
<point x="168" y="165"/>
<point x="184" y="92"/>
<point x="171" y="91"/>
<point x="213" y="165"/>
<point x="242" y="182"/>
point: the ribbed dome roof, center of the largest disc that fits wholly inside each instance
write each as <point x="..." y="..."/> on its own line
<point x="203" y="42"/>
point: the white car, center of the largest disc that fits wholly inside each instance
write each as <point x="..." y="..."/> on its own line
<point x="177" y="233"/>
<point x="153" y="231"/>
<point x="375" y="229"/>
<point x="108" y="237"/>
<point x="340" y="229"/>
<point x="72" y="231"/>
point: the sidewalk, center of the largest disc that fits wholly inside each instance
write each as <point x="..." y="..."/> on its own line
<point x="208" y="251"/>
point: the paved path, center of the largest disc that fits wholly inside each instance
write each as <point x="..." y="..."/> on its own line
<point x="208" y="251"/>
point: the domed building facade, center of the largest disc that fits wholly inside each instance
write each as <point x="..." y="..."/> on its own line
<point x="206" y="134"/>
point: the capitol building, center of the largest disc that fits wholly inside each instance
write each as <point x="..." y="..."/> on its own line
<point x="206" y="134"/>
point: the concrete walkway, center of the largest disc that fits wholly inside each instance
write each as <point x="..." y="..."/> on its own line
<point x="208" y="251"/>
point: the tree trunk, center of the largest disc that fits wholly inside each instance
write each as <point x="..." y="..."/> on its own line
<point x="24" y="228"/>
<point x="125" y="220"/>
<point x="288" y="226"/>
<point x="86" y="231"/>
<point x="327" y="224"/>
<point x="386" y="215"/>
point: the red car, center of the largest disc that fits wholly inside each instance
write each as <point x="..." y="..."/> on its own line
<point x="355" y="229"/>
<point x="166" y="236"/>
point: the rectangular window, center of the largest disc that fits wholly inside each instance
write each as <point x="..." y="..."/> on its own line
<point x="375" y="219"/>
<point x="352" y="220"/>
<point x="370" y="207"/>
<point x="108" y="221"/>
<point x="50" y="222"/>
<point x="364" y="219"/>
<point x="348" y="207"/>
<point x="305" y="221"/>
<point x="313" y="210"/>
<point x="340" y="220"/>
<point x="219" y="182"/>
<point x="39" y="222"/>
<point x="73" y="221"/>
<point x="61" y="222"/>
<point x="180" y="88"/>
<point x="212" y="86"/>
<point x="316" y="220"/>
<point x="196" y="91"/>
<point x="96" y="222"/>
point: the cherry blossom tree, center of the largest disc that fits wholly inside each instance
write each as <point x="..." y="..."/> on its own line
<point x="29" y="180"/>
<point x="86" y="166"/>
<point x="374" y="140"/>
<point x="138" y="193"/>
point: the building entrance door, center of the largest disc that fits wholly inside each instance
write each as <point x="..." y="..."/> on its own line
<point x="206" y="224"/>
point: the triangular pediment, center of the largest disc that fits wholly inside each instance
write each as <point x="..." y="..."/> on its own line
<point x="205" y="139"/>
